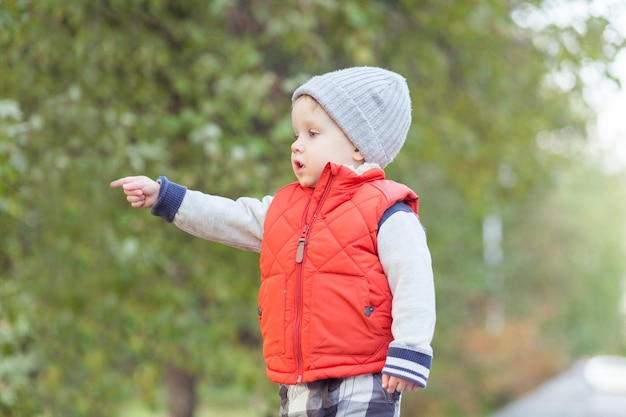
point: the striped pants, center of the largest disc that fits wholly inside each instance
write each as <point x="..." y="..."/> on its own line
<point x="359" y="396"/>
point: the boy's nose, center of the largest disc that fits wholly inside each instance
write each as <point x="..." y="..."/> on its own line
<point x="296" y="146"/>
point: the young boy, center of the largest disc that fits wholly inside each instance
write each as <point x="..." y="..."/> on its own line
<point x="346" y="302"/>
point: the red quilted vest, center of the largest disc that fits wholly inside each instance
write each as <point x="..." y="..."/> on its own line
<point x="324" y="301"/>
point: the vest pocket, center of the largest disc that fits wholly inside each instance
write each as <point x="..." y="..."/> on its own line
<point x="271" y="312"/>
<point x="342" y="319"/>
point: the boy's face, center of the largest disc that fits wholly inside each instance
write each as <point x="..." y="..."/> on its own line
<point x="318" y="140"/>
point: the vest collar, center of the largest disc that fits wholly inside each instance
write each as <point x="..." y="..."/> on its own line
<point x="345" y="177"/>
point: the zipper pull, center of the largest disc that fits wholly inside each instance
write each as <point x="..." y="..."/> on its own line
<point x="300" y="251"/>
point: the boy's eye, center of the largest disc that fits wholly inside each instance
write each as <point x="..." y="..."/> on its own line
<point x="313" y="134"/>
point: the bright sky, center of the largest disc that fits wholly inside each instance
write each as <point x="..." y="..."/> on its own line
<point x="607" y="98"/>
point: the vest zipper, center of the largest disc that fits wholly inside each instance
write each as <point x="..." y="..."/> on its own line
<point x="302" y="242"/>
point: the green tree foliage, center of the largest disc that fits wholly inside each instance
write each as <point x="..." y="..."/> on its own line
<point x="17" y="358"/>
<point x="108" y="298"/>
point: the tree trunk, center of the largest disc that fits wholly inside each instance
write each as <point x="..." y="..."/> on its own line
<point x="181" y="391"/>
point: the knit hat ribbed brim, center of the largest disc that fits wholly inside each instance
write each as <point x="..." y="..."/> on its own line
<point x="371" y="105"/>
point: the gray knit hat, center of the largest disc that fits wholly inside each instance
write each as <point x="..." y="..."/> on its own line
<point x="371" y="105"/>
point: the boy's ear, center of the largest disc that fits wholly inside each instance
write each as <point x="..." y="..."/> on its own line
<point x="357" y="156"/>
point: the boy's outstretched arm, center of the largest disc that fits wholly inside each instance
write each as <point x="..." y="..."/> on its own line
<point x="141" y="192"/>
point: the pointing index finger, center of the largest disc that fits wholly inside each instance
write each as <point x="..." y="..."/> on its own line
<point x="121" y="182"/>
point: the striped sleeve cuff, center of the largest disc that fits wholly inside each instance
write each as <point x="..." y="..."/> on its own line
<point x="169" y="200"/>
<point x="408" y="364"/>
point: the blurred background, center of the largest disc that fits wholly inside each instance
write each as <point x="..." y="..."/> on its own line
<point x="517" y="152"/>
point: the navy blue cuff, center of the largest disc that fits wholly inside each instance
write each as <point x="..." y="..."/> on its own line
<point x="408" y="364"/>
<point x="170" y="198"/>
